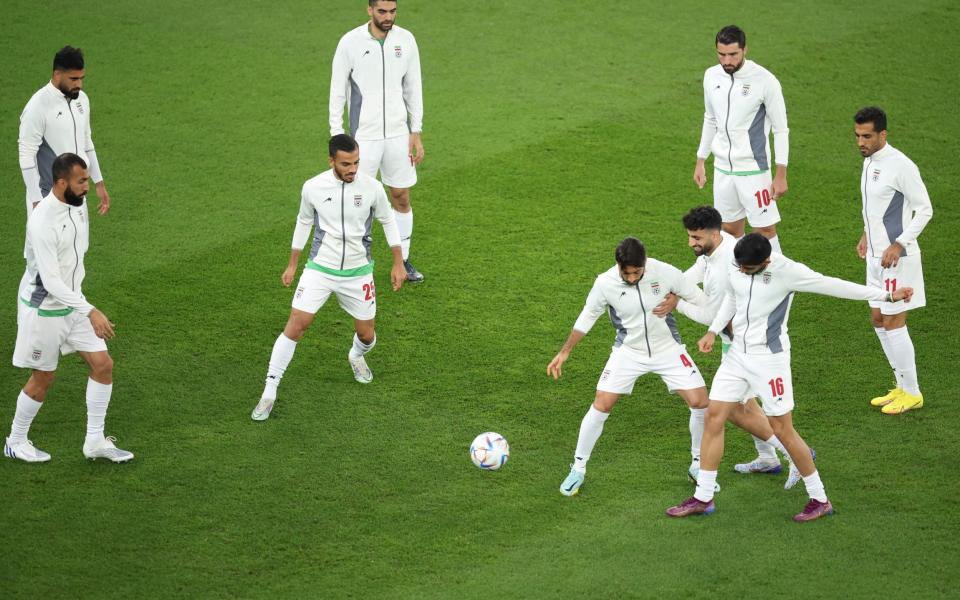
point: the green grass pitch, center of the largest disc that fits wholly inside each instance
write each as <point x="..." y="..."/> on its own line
<point x="551" y="131"/>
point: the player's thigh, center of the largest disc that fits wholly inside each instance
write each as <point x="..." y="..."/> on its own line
<point x="725" y="198"/>
<point x="681" y="375"/>
<point x="771" y="379"/>
<point x="313" y="290"/>
<point x="358" y="296"/>
<point x="620" y="373"/>
<point x="753" y="192"/>
<point x="81" y="337"/>
<point x="38" y="340"/>
<point x="908" y="272"/>
<point x="396" y="168"/>
<point x="371" y="156"/>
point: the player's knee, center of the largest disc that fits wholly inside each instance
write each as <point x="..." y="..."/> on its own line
<point x="769" y="232"/>
<point x="42" y="380"/>
<point x="103" y="368"/>
<point x="367" y="337"/>
<point x="604" y="401"/>
<point x="400" y="198"/>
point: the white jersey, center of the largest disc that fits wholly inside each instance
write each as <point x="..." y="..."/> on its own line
<point x="381" y="83"/>
<point x="740" y="110"/>
<point x="50" y="125"/>
<point x="342" y="215"/>
<point x="631" y="306"/>
<point x="896" y="206"/>
<point x="759" y="304"/>
<point x="711" y="271"/>
<point x="58" y="236"/>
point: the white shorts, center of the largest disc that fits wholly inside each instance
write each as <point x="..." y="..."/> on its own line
<point x="41" y="339"/>
<point x="739" y="196"/>
<point x="356" y="295"/>
<point x="907" y="273"/>
<point x="626" y="365"/>
<point x="392" y="157"/>
<point x="767" y="376"/>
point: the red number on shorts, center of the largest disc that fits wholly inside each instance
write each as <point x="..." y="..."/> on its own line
<point x="891" y="284"/>
<point x="686" y="361"/>
<point x="763" y="198"/>
<point x="776" y="386"/>
<point x="369" y="292"/>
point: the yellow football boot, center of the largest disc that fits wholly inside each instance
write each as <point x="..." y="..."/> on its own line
<point x="887" y="398"/>
<point x="904" y="402"/>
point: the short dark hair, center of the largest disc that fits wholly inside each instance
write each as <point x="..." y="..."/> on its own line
<point x="872" y="114"/>
<point x="64" y="164"/>
<point x="631" y="253"/>
<point x="374" y="2"/>
<point x="702" y="217"/>
<point x="731" y="34"/>
<point x="342" y="143"/>
<point x="751" y="250"/>
<point x="68" y="58"/>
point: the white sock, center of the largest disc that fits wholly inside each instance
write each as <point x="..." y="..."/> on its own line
<point x="815" y="487"/>
<point x="885" y="344"/>
<point x="905" y="362"/>
<point x="775" y="244"/>
<point x="765" y="450"/>
<point x="359" y="348"/>
<point x="98" y="398"/>
<point x="27" y="409"/>
<point x="706" y="484"/>
<point x="590" y="429"/>
<point x="775" y="442"/>
<point x="405" y="225"/>
<point x="280" y="358"/>
<point x="696" y="431"/>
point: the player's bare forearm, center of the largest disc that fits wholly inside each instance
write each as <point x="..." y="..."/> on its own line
<point x="779" y="186"/>
<point x="555" y="368"/>
<point x="287" y="277"/>
<point x="398" y="273"/>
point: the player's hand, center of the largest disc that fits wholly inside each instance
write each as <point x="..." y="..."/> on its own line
<point x="891" y="256"/>
<point x="700" y="174"/>
<point x="288" y="273"/>
<point x="102" y="326"/>
<point x="779" y="186"/>
<point x="862" y="247"/>
<point x="666" y="307"/>
<point x="104" y="197"/>
<point x="398" y="274"/>
<point x="706" y="342"/>
<point x="904" y="294"/>
<point x="555" y="368"/>
<point x="415" y="149"/>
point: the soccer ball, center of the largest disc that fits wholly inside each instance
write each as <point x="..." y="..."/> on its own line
<point x="489" y="451"/>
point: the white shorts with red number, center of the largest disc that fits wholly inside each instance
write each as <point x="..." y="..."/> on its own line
<point x="392" y="158"/>
<point x="907" y="273"/>
<point x="626" y="365"/>
<point x="766" y="376"/>
<point x="739" y="196"/>
<point x="41" y="339"/>
<point x="356" y="295"/>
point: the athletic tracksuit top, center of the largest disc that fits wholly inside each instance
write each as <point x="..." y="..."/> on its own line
<point x="380" y="82"/>
<point x="631" y="306"/>
<point x="739" y="112"/>
<point x="712" y="272"/>
<point x="759" y="304"/>
<point x="50" y="125"/>
<point x="342" y="215"/>
<point x="896" y="206"/>
<point x="58" y="236"/>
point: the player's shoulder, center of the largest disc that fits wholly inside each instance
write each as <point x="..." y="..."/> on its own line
<point x="761" y="72"/>
<point x="897" y="156"/>
<point x="367" y="182"/>
<point x="357" y="33"/>
<point x="319" y="181"/>
<point x="611" y="275"/>
<point x="40" y="98"/>
<point x="660" y="268"/>
<point x="714" y="72"/>
<point x="403" y="34"/>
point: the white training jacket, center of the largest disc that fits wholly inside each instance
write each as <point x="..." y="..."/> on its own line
<point x="630" y="307"/>
<point x="342" y="215"/>
<point x="759" y="304"/>
<point x="380" y="82"/>
<point x="896" y="206"/>
<point x="58" y="236"/>
<point x="740" y="110"/>
<point x="50" y="125"/>
<point x="711" y="271"/>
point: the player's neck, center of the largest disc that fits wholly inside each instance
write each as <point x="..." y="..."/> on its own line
<point x="376" y="32"/>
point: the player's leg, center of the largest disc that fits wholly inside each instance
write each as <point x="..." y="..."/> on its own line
<point x="874" y="278"/>
<point x="358" y="297"/>
<point x="907" y="273"/>
<point x="399" y="175"/>
<point x="364" y="339"/>
<point x="371" y="156"/>
<point x="99" y="392"/>
<point x="763" y="214"/>
<point x="29" y="402"/>
<point x="727" y="203"/>
<point x="819" y="505"/>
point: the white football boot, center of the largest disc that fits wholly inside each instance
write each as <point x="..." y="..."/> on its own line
<point x="361" y="372"/>
<point x="24" y="451"/>
<point x="262" y="410"/>
<point x="106" y="449"/>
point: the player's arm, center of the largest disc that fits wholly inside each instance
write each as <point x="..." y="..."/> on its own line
<point x="915" y="193"/>
<point x="301" y="233"/>
<point x="339" y="80"/>
<point x="28" y="143"/>
<point x="413" y="99"/>
<point x="804" y="279"/>
<point x="93" y="168"/>
<point x="707" y="133"/>
<point x="383" y="212"/>
<point x="723" y="317"/>
<point x="594" y="307"/>
<point x="862" y="245"/>
<point x="777" y="113"/>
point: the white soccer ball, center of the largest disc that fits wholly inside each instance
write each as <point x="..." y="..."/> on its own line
<point x="489" y="451"/>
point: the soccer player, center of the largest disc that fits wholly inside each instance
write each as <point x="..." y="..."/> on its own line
<point x="896" y="208"/>
<point x="713" y="248"/>
<point x="57" y="319"/>
<point x="760" y="288"/>
<point x="628" y="292"/>
<point x="376" y="70"/>
<point x="742" y="103"/>
<point x="57" y="120"/>
<point x="340" y="204"/>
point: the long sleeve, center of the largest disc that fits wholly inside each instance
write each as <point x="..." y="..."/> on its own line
<point x="93" y="164"/>
<point x="339" y="82"/>
<point x="915" y="193"/>
<point x="700" y="314"/>
<point x="413" y="92"/>
<point x="28" y="142"/>
<point x="689" y="291"/>
<point x="384" y="213"/>
<point x="709" y="130"/>
<point x="697" y="271"/>
<point x="777" y="113"/>
<point x="301" y="231"/>
<point x="592" y="309"/>
<point x="727" y="310"/>
<point x="804" y="279"/>
<point x="44" y="242"/>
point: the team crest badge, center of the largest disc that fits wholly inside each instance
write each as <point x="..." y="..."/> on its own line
<point x="397" y="51"/>
<point x="655" y="288"/>
<point x="876" y="174"/>
<point x="79" y="108"/>
<point x="746" y="90"/>
<point x="767" y="276"/>
<point x="358" y="200"/>
<point x="36" y="354"/>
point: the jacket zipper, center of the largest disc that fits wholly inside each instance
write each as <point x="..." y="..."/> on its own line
<point x="866" y="216"/>
<point x="76" y="253"/>
<point x="383" y="64"/>
<point x="646" y="336"/>
<point x="343" y="227"/>
<point x="749" y="299"/>
<point x="726" y="126"/>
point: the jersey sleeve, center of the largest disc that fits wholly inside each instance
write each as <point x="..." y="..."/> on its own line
<point x="727" y="310"/>
<point x="595" y="305"/>
<point x="697" y="271"/>
<point x="777" y="113"/>
<point x="709" y="130"/>
<point x="915" y="193"/>
<point x="339" y="82"/>
<point x="699" y="314"/>
<point x="28" y="143"/>
<point x="802" y="278"/>
<point x="383" y="212"/>
<point x="93" y="164"/>
<point x="305" y="216"/>
<point x="687" y="289"/>
<point x="43" y="239"/>
<point x="413" y="91"/>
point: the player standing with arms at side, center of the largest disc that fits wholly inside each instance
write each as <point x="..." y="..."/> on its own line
<point x="896" y="208"/>
<point x="743" y="102"/>
<point x="376" y="72"/>
<point x="340" y="205"/>
<point x="57" y="319"/>
<point x="760" y="288"/>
